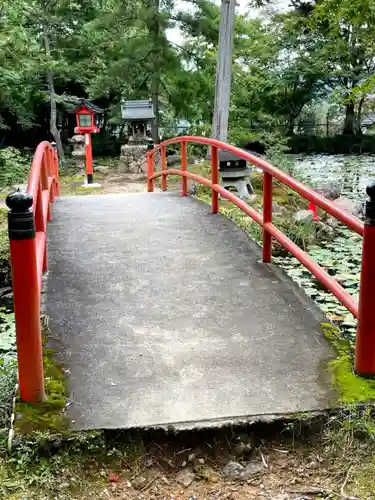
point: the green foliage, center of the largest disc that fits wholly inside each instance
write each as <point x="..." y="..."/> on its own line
<point x="4" y="248"/>
<point x="7" y="331"/>
<point x="8" y="380"/>
<point x="113" y="50"/>
<point x="14" y="167"/>
<point x="19" y="54"/>
<point x="8" y="368"/>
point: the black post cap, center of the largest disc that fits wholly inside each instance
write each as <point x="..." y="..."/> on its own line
<point x="150" y="143"/>
<point x="21" y="224"/>
<point x="19" y="201"/>
<point x="370" y="205"/>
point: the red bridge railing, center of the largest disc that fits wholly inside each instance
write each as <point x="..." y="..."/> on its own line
<point x="365" y="344"/>
<point x="27" y="222"/>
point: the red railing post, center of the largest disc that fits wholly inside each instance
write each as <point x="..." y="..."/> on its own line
<point x="267" y="217"/>
<point x="163" y="155"/>
<point x="184" y="184"/>
<point x="150" y="166"/>
<point x="26" y="296"/>
<point x="314" y="209"/>
<point x="150" y="172"/>
<point x="365" y="342"/>
<point x="214" y="178"/>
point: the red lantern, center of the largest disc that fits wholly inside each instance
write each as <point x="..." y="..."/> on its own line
<point x="85" y="121"/>
<point x="87" y="117"/>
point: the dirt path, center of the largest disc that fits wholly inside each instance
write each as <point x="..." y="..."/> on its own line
<point x="110" y="182"/>
<point x="296" y="460"/>
<point x="124" y="183"/>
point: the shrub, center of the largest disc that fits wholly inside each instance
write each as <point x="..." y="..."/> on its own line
<point x="338" y="144"/>
<point x="5" y="278"/>
<point x="14" y="167"/>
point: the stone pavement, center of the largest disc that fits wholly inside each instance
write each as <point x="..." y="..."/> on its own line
<point x="163" y="315"/>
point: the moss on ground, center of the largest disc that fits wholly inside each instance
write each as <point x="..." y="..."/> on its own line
<point x="49" y="414"/>
<point x="72" y="184"/>
<point x="351" y="388"/>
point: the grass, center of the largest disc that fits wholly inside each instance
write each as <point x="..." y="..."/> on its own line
<point x="42" y="466"/>
<point x="72" y="184"/>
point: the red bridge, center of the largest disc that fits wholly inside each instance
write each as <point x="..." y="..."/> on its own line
<point x="162" y="313"/>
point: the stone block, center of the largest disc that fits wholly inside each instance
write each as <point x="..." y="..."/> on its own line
<point x="133" y="159"/>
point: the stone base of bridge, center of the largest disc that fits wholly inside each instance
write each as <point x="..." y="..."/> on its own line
<point x="163" y="316"/>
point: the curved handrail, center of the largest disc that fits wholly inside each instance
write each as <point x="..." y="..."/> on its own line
<point x="44" y="162"/>
<point x="29" y="259"/>
<point x="269" y="229"/>
<point x="43" y="185"/>
<point x="308" y="193"/>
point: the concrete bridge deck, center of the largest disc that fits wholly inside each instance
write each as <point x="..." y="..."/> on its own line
<point x="163" y="315"/>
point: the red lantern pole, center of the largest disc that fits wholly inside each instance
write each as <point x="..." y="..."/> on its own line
<point x="150" y="166"/>
<point x="88" y="153"/>
<point x="364" y="363"/>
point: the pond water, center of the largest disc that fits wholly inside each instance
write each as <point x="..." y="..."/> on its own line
<point x="351" y="172"/>
<point x="341" y="257"/>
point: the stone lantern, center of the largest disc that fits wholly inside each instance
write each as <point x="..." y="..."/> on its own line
<point x="138" y="116"/>
<point x="234" y="173"/>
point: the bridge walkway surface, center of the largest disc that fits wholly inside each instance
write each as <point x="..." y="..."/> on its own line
<point x="163" y="316"/>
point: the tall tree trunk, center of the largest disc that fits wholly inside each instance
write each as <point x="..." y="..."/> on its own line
<point x="154" y="30"/>
<point x="55" y="132"/>
<point x="224" y="71"/>
<point x="155" y="89"/>
<point x="358" y="129"/>
<point x="349" y="119"/>
<point x="290" y="126"/>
